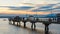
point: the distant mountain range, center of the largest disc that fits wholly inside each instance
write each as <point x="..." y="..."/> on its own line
<point x="26" y="15"/>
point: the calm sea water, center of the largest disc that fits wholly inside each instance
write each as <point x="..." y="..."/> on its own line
<point x="6" y="28"/>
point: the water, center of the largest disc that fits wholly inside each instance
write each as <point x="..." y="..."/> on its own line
<point x="6" y="28"/>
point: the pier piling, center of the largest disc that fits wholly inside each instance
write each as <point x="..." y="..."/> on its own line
<point x="46" y="29"/>
<point x="24" y="24"/>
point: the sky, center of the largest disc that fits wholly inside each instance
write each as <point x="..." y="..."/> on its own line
<point x="18" y="3"/>
<point x="8" y="11"/>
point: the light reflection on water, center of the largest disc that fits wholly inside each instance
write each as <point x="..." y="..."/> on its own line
<point x="5" y="28"/>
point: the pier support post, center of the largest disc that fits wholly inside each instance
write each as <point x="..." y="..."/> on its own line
<point x="46" y="28"/>
<point x="24" y="24"/>
<point x="47" y="25"/>
<point x="33" y="26"/>
<point x="17" y="23"/>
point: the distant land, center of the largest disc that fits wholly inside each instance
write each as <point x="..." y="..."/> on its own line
<point x="26" y="15"/>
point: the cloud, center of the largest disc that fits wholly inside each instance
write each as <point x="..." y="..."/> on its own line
<point x="40" y="10"/>
<point x="44" y="8"/>
<point x="49" y="7"/>
<point x="21" y="8"/>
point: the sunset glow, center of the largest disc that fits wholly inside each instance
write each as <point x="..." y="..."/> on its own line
<point x="18" y="3"/>
<point x="7" y="11"/>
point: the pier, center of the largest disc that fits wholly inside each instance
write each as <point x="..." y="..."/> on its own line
<point x="34" y="20"/>
<point x="6" y="28"/>
<point x="46" y="22"/>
